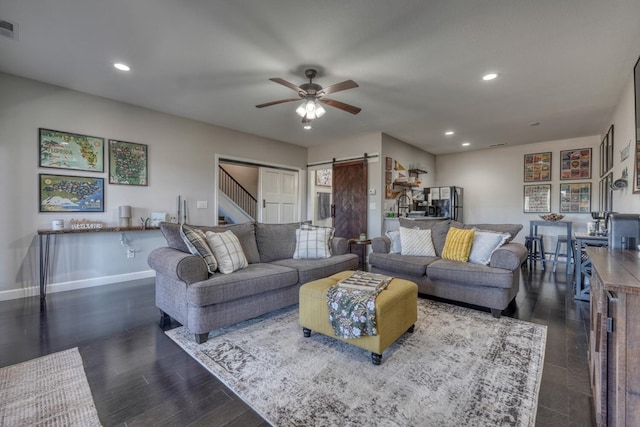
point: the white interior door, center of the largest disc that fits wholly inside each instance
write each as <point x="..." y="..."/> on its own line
<point x="279" y="194"/>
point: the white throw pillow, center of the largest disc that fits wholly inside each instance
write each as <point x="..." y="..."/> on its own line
<point x="197" y="243"/>
<point x="313" y="243"/>
<point x="227" y="250"/>
<point x="416" y="242"/>
<point x="484" y="245"/>
<point x="394" y="236"/>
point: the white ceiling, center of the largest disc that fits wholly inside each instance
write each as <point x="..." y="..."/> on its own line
<point x="419" y="63"/>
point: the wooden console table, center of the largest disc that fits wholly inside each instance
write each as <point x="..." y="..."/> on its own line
<point x="614" y="336"/>
<point x="46" y="242"/>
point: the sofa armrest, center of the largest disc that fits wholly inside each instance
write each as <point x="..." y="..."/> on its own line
<point x="339" y="246"/>
<point x="178" y="265"/>
<point x="509" y="256"/>
<point x="381" y="244"/>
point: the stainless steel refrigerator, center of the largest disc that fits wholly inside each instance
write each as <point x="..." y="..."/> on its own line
<point x="446" y="202"/>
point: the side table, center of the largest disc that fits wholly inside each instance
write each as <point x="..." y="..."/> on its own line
<point x="363" y="254"/>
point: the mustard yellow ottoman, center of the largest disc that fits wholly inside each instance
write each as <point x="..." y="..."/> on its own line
<point x="396" y="313"/>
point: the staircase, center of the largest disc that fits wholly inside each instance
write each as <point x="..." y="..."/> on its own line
<point x="238" y="195"/>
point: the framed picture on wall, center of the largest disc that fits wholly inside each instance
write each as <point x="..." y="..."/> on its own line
<point x="127" y="163"/>
<point x="537" y="167"/>
<point x="575" y="197"/>
<point x="610" y="148"/>
<point x="575" y="164"/>
<point x="324" y="177"/>
<point x="64" y="150"/>
<point x="537" y="198"/>
<point x="388" y="163"/>
<point x="62" y="193"/>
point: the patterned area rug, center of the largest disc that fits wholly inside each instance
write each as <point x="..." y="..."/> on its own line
<point x="460" y="367"/>
<point x="48" y="391"/>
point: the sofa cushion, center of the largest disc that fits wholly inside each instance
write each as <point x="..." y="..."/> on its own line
<point x="470" y="274"/>
<point x="396" y="263"/>
<point x="484" y="244"/>
<point x="312" y="243"/>
<point x="227" y="250"/>
<point x="313" y="269"/>
<point x="416" y="242"/>
<point x="276" y="241"/>
<point x="171" y="232"/>
<point x="458" y="244"/>
<point x="439" y="229"/>
<point x="511" y="229"/>
<point x="196" y="241"/>
<point x="246" y="234"/>
<point x="253" y="280"/>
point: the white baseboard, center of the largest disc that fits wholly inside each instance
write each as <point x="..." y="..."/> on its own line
<point x="76" y="284"/>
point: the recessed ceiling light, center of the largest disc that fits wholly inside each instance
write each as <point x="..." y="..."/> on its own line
<point x="466" y="144"/>
<point x="122" y="67"/>
<point x="489" y="76"/>
<point x="449" y="132"/>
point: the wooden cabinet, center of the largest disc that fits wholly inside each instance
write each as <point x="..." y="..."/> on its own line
<point x="614" y="336"/>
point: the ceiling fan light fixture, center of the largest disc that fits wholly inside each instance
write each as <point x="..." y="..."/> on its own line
<point x="302" y="110"/>
<point x="320" y="110"/>
<point x="306" y="126"/>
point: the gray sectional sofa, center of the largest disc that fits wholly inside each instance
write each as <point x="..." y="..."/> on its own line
<point x="202" y="302"/>
<point x="494" y="285"/>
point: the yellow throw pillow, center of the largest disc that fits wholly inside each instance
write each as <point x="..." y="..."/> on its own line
<point x="457" y="247"/>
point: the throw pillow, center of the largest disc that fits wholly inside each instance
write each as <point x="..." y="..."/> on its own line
<point x="227" y="250"/>
<point x="313" y="243"/>
<point x="416" y="242"/>
<point x="196" y="241"/>
<point x="457" y="246"/>
<point x="484" y="245"/>
<point x="394" y="236"/>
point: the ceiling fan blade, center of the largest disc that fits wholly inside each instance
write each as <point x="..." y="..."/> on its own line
<point x="347" y="84"/>
<point x="290" y="85"/>
<point x="341" y="105"/>
<point x="266" y="104"/>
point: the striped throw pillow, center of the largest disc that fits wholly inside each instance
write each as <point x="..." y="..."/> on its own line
<point x="416" y="242"/>
<point x="227" y="250"/>
<point x="196" y="241"/>
<point x="457" y="247"/>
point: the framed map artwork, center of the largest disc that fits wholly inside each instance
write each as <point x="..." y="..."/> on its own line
<point x="127" y="163"/>
<point x="537" y="167"/>
<point x="64" y="150"/>
<point x="62" y="193"/>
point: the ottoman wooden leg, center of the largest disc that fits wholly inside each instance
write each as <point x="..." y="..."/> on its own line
<point x="306" y="332"/>
<point x="376" y="358"/>
<point x="412" y="328"/>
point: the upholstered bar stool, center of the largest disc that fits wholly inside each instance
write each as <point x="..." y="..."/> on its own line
<point x="569" y="251"/>
<point x="535" y="244"/>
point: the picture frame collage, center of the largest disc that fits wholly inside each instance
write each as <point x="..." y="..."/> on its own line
<point x="128" y="165"/>
<point x="575" y="164"/>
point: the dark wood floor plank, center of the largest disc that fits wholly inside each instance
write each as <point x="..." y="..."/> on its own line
<point x="138" y="376"/>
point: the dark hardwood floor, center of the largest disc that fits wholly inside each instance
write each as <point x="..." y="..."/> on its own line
<point x="138" y="376"/>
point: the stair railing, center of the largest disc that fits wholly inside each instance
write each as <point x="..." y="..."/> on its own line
<point x="236" y="192"/>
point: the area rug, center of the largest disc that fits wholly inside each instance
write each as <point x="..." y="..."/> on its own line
<point x="48" y="391"/>
<point x="460" y="367"/>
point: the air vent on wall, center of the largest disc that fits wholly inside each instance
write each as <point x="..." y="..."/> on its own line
<point x="497" y="145"/>
<point x="8" y="29"/>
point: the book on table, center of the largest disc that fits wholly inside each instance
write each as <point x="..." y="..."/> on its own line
<point x="363" y="281"/>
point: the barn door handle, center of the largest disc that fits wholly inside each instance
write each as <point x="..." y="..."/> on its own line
<point x="333" y="211"/>
<point x="264" y="203"/>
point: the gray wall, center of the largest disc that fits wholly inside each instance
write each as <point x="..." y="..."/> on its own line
<point x="181" y="162"/>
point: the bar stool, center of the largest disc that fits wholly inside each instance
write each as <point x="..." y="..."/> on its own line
<point x="535" y="245"/>
<point x="562" y="240"/>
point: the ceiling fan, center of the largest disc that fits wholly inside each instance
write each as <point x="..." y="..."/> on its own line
<point x="312" y="93"/>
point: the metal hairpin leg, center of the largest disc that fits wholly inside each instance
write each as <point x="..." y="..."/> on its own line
<point x="44" y="264"/>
